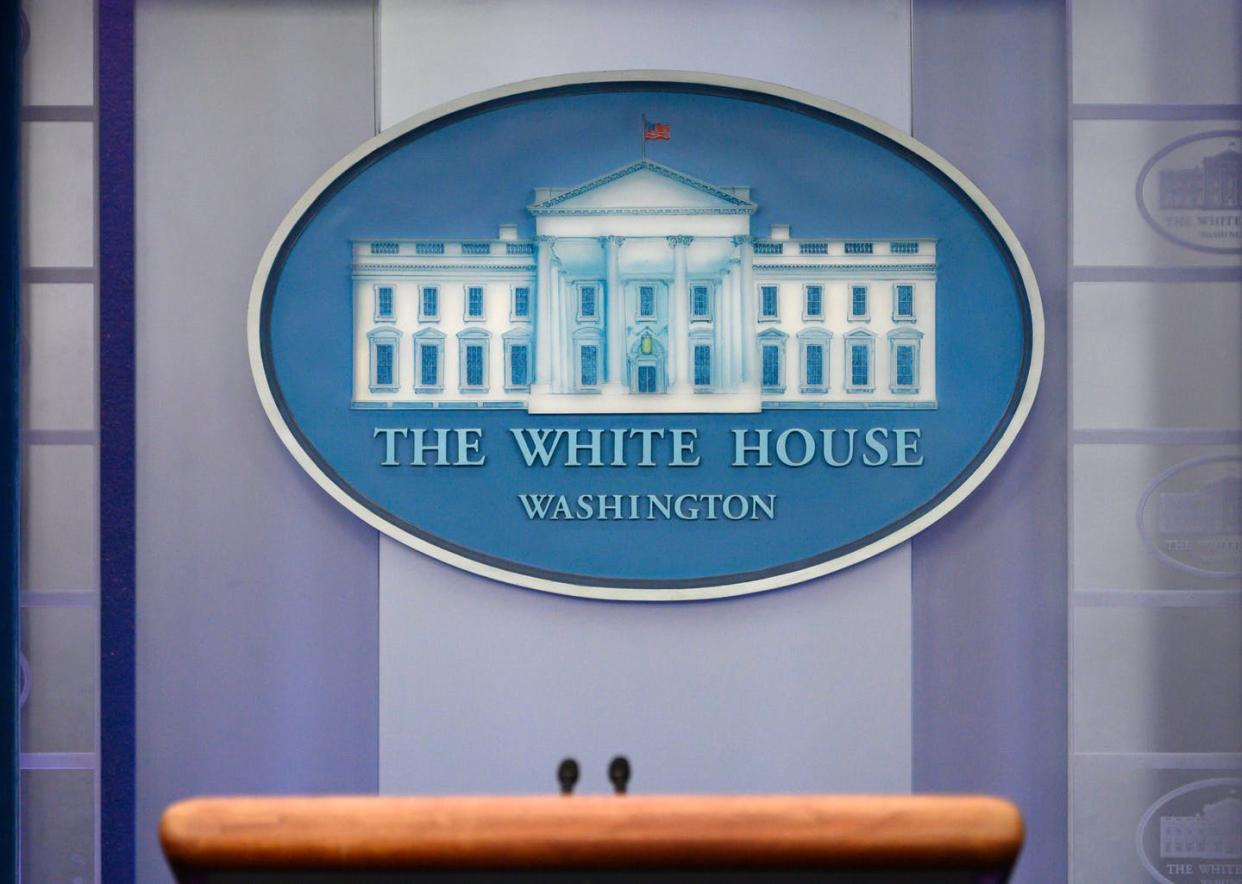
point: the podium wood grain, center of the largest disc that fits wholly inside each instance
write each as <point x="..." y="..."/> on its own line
<point x="957" y="838"/>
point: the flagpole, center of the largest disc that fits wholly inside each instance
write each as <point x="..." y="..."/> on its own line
<point x="643" y="146"/>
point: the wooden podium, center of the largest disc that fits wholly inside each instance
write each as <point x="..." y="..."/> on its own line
<point x="593" y="838"/>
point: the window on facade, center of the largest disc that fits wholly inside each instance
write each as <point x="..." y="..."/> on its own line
<point x="431" y="302"/>
<point x="646" y="300"/>
<point x="519" y="365"/>
<point x="521" y="301"/>
<point x="474" y="365"/>
<point x="699" y="303"/>
<point x="428" y="365"/>
<point x="383" y="302"/>
<point x="905" y="365"/>
<point x="771" y="365"/>
<point x="474" y="301"/>
<point x="858" y="248"/>
<point x="383" y="365"/>
<point x="905" y="248"/>
<point x="903" y="306"/>
<point x="860" y="366"/>
<point x="590" y="365"/>
<point x="858" y="302"/>
<point x="814" y="301"/>
<point x="384" y="248"/>
<point x="814" y="365"/>
<point x="767" y="301"/>
<point x="702" y="365"/>
<point x="587" y="301"/>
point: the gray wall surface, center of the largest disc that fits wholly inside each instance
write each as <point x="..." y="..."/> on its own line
<point x="257" y="610"/>
<point x="989" y="596"/>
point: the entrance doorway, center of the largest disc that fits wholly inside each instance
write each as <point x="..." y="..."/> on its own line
<point x="646" y="379"/>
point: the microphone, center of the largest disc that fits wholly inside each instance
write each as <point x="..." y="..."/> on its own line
<point x="619" y="773"/>
<point x="567" y="773"/>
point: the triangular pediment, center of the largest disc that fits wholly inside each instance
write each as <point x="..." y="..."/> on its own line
<point x="641" y="188"/>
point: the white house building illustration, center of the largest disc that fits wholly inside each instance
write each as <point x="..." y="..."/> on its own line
<point x="644" y="290"/>
<point x="1214" y="833"/>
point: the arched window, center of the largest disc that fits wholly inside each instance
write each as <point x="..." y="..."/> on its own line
<point x="588" y="358"/>
<point x="860" y="361"/>
<point x="472" y="365"/>
<point x="384" y="347"/>
<point x="702" y="357"/>
<point x="429" y="361"/>
<point x="904" y="346"/>
<point x="814" y="349"/>
<point x="519" y="360"/>
<point x="772" y="360"/>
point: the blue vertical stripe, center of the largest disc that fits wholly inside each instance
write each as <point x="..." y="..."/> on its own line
<point x="116" y="437"/>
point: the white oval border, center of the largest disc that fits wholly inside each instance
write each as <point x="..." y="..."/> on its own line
<point x="1160" y="802"/>
<point x="668" y="593"/>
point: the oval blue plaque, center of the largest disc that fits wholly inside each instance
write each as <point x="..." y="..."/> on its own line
<point x="1188" y="192"/>
<point x="1189" y="516"/>
<point x="646" y="336"/>
<point x="1193" y="834"/>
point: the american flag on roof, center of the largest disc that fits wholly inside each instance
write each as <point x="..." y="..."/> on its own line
<point x="655" y="131"/>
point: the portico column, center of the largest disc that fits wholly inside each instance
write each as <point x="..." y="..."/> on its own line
<point x="562" y="370"/>
<point x="749" y="317"/>
<point x="730" y="331"/>
<point x="545" y="336"/>
<point x="616" y="313"/>
<point x="678" y="316"/>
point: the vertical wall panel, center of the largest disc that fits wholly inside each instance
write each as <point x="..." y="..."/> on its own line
<point x="989" y="579"/>
<point x="256" y="648"/>
<point x="486" y="687"/>
<point x="58" y="199"/>
<point x="60" y="367"/>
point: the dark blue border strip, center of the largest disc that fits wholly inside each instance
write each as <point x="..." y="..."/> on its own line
<point x="10" y="415"/>
<point x="116" y="437"/>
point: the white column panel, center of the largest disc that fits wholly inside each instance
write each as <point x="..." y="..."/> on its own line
<point x="483" y="687"/>
<point x="60" y="375"/>
<point x="1157" y="51"/>
<point x="434" y="50"/>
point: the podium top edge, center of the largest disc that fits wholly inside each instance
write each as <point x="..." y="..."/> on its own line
<point x="529" y="832"/>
